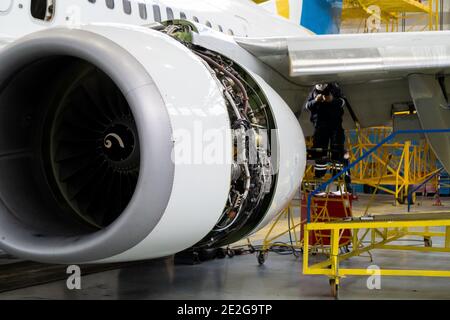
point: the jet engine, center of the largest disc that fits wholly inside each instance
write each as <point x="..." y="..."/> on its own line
<point x="127" y="143"/>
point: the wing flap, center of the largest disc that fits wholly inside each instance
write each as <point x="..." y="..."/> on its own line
<point x="354" y="57"/>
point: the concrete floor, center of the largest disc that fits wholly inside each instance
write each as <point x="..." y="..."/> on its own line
<point x="242" y="278"/>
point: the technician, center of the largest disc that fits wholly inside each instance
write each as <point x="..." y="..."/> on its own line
<point x="326" y="105"/>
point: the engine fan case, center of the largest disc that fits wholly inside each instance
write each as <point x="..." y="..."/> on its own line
<point x="288" y="159"/>
<point x="198" y="113"/>
<point x="170" y="92"/>
<point x="174" y="99"/>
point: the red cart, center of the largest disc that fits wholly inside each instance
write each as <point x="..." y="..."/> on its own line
<point x="325" y="208"/>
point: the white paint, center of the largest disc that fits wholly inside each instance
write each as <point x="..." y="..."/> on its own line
<point x="193" y="99"/>
<point x="291" y="154"/>
<point x="295" y="9"/>
<point x="199" y="191"/>
<point x="244" y="18"/>
<point x="5" y="5"/>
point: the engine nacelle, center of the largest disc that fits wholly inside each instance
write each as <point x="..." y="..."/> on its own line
<point x="122" y="143"/>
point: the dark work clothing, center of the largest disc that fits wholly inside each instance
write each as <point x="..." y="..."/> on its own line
<point x="329" y="139"/>
<point x="325" y="114"/>
<point x="329" y="136"/>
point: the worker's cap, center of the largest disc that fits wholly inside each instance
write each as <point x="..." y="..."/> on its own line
<point x="323" y="88"/>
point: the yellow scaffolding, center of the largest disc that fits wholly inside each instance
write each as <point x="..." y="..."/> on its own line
<point x="349" y="236"/>
<point x="320" y="212"/>
<point x="409" y="163"/>
<point x="293" y="229"/>
<point x="391" y="13"/>
<point x="378" y="234"/>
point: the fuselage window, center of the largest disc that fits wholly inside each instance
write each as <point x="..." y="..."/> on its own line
<point x="127" y="6"/>
<point x="110" y="4"/>
<point x="182" y="15"/>
<point x="92" y="1"/>
<point x="143" y="11"/>
<point x="169" y="13"/>
<point x="230" y="32"/>
<point x="195" y="19"/>
<point x="220" y="28"/>
<point x="42" y="9"/>
<point x="156" y="13"/>
<point x="208" y="24"/>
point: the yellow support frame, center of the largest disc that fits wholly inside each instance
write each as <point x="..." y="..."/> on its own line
<point x="393" y="11"/>
<point x="410" y="165"/>
<point x="270" y="239"/>
<point x="295" y="225"/>
<point x="382" y="234"/>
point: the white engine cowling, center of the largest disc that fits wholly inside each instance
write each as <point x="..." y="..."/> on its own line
<point x="94" y="124"/>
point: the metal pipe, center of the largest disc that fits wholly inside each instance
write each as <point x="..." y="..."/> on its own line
<point x="232" y="76"/>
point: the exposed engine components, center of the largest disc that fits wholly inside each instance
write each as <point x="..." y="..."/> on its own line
<point x="72" y="146"/>
<point x="252" y="173"/>
<point x="251" y="125"/>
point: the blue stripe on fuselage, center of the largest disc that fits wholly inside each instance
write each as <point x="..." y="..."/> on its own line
<point x="322" y="16"/>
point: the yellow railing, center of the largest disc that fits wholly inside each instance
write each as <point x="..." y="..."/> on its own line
<point x="420" y="14"/>
<point x="409" y="163"/>
<point x="320" y="211"/>
<point x="333" y="238"/>
<point x="368" y="236"/>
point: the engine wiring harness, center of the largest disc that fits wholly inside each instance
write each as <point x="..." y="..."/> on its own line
<point x="252" y="178"/>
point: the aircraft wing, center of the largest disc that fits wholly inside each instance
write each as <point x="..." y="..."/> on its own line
<point x="378" y="73"/>
<point x="354" y="57"/>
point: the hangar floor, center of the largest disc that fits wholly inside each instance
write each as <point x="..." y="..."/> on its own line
<point x="242" y="278"/>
